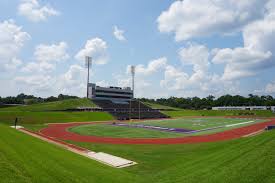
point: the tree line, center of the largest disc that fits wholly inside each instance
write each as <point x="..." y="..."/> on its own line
<point x="179" y="102"/>
<point x="30" y="99"/>
<point x="211" y="101"/>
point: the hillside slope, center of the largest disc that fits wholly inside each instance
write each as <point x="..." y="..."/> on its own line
<point x="51" y="106"/>
<point x="159" y="106"/>
<point x="36" y="115"/>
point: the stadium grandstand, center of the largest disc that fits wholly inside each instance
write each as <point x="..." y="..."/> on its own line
<point x="120" y="103"/>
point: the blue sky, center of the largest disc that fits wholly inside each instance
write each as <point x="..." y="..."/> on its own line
<point x="181" y="48"/>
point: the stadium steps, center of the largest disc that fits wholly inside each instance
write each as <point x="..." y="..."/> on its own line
<point x="122" y="110"/>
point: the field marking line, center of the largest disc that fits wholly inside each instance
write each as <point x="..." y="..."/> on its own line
<point x="236" y="124"/>
<point x="221" y="126"/>
<point x="254" y="133"/>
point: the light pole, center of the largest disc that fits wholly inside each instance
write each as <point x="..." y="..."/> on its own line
<point x="133" y="68"/>
<point x="139" y="109"/>
<point x="88" y="64"/>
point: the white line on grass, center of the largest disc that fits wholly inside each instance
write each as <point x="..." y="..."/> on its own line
<point x="239" y="123"/>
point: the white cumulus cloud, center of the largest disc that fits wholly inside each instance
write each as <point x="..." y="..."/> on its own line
<point x="34" y="11"/>
<point x="46" y="57"/>
<point x="196" y="55"/>
<point x="174" y="79"/>
<point x="38" y="67"/>
<point x="258" y="51"/>
<point x="51" y="53"/>
<point x="96" y="48"/>
<point x="35" y="83"/>
<point x="119" y="34"/>
<point x="242" y="62"/>
<point x="13" y="64"/>
<point x="73" y="81"/>
<point x="200" y="81"/>
<point x="12" y="39"/>
<point x="254" y="19"/>
<point x="152" y="67"/>
<point x="270" y="88"/>
<point x="189" y="19"/>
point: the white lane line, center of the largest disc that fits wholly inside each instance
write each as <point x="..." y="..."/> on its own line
<point x="236" y="124"/>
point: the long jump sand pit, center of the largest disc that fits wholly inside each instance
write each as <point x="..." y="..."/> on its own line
<point x="60" y="131"/>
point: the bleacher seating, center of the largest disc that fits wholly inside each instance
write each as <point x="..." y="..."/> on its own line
<point x="127" y="110"/>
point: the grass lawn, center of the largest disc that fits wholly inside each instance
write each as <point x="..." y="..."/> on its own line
<point x="187" y="123"/>
<point x="181" y="113"/>
<point x="159" y="106"/>
<point x="36" y="120"/>
<point x="244" y="160"/>
<point x="51" y="106"/>
<point x="35" y="116"/>
<point x="26" y="159"/>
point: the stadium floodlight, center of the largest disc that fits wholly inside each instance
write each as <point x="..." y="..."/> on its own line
<point x="133" y="71"/>
<point x="88" y="64"/>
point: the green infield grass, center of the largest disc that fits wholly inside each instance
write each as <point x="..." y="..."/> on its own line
<point x="106" y="130"/>
<point x="110" y="130"/>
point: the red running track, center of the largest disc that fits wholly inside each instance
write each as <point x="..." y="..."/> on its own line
<point x="60" y="132"/>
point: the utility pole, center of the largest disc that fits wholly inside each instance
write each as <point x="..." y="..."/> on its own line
<point x="88" y="64"/>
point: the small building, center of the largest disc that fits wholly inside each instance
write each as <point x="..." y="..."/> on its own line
<point x="251" y="108"/>
<point x="116" y="94"/>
